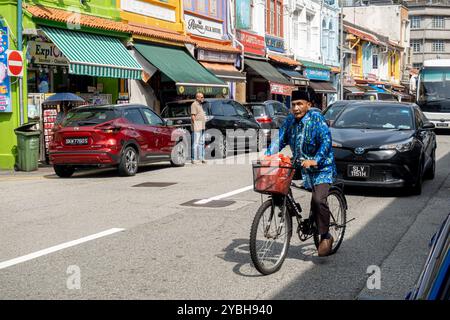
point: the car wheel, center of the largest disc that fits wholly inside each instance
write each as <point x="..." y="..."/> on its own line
<point x="63" y="171"/>
<point x="222" y="148"/>
<point x="432" y="170"/>
<point x="416" y="189"/>
<point x="178" y="156"/>
<point x="128" y="165"/>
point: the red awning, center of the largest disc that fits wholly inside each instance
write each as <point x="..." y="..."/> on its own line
<point x="363" y="35"/>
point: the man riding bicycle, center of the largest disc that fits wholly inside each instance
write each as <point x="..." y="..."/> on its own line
<point x="306" y="132"/>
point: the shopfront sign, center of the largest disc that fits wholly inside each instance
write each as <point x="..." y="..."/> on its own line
<point x="203" y="27"/>
<point x="192" y="90"/>
<point x="252" y="43"/>
<point x="5" y="85"/>
<point x="281" y="89"/>
<point x="275" y="44"/>
<point x="349" y="81"/>
<point x="148" y="9"/>
<point x="371" y="77"/>
<point x="317" y="74"/>
<point x="46" y="53"/>
<point x="215" y="56"/>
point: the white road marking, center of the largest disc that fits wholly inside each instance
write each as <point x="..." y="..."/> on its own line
<point x="37" y="254"/>
<point x="225" y="195"/>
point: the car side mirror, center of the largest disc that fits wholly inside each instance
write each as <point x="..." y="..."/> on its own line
<point x="428" y="126"/>
<point x="168" y="122"/>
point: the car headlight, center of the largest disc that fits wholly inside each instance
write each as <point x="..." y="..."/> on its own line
<point x="336" y="144"/>
<point x="402" y="146"/>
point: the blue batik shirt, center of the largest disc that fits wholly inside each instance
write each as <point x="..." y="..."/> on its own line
<point x="308" y="138"/>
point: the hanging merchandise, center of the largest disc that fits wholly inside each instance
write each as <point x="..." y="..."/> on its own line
<point x="5" y="85"/>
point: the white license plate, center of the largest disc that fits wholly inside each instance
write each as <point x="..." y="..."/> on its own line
<point x="358" y="171"/>
<point x="441" y="124"/>
<point x="76" y="141"/>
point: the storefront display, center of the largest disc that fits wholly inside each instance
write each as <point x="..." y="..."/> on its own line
<point x="5" y="85"/>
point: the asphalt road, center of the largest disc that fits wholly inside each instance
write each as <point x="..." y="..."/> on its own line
<point x="169" y="249"/>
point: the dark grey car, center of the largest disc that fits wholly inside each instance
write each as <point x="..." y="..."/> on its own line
<point x="269" y="114"/>
<point x="224" y="116"/>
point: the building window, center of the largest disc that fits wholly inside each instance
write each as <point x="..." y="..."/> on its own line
<point x="201" y="6"/>
<point x="272" y="17"/>
<point x="438" y="46"/>
<point x="309" y="19"/>
<point x="331" y="42"/>
<point x="188" y="4"/>
<point x="213" y="9"/>
<point x="375" y="61"/>
<point x="416" y="45"/>
<point x="438" y="22"/>
<point x="324" y="35"/>
<point x="415" y="22"/>
<point x="279" y="20"/>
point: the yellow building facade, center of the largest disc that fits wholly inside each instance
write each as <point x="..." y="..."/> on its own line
<point x="163" y="14"/>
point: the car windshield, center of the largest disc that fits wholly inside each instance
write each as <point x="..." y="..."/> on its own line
<point x="435" y="84"/>
<point x="375" y="117"/>
<point x="333" y="111"/>
<point x="258" y="110"/>
<point x="180" y="110"/>
<point x="89" y="117"/>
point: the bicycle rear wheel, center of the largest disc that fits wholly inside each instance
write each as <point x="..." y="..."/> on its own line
<point x="338" y="220"/>
<point x="270" y="236"/>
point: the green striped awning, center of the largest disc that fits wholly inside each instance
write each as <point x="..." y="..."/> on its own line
<point x="94" y="55"/>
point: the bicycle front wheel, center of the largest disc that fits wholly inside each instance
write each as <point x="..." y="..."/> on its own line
<point x="270" y="236"/>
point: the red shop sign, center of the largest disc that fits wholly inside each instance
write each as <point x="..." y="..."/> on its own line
<point x="252" y="43"/>
<point x="282" y="89"/>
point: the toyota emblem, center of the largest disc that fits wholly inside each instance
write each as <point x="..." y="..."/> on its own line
<point x="359" y="150"/>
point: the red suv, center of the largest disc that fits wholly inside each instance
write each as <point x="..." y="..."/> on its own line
<point x="115" y="135"/>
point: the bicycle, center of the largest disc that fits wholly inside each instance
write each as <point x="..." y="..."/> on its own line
<point x="276" y="181"/>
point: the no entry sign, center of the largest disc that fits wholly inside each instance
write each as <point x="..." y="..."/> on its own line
<point x="15" y="63"/>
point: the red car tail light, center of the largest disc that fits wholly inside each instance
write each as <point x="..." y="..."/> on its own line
<point x="264" y="120"/>
<point x="108" y="128"/>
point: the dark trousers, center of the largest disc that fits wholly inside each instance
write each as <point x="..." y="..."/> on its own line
<point x="319" y="206"/>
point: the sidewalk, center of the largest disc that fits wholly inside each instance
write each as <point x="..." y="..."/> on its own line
<point x="43" y="169"/>
<point x="401" y="268"/>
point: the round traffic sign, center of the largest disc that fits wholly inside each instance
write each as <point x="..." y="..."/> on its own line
<point x="15" y="63"/>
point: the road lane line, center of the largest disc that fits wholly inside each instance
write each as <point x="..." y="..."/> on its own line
<point x="37" y="254"/>
<point x="225" y="195"/>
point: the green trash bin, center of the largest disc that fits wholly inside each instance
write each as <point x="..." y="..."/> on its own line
<point x="27" y="146"/>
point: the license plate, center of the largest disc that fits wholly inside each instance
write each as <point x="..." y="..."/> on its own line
<point x="358" y="171"/>
<point x="441" y="124"/>
<point x="76" y="141"/>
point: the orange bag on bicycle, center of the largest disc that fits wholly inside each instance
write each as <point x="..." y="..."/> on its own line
<point x="273" y="175"/>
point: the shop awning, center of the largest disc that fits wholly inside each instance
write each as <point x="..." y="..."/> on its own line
<point x="366" y="88"/>
<point x="322" y="87"/>
<point x="176" y="63"/>
<point x="296" y="77"/>
<point x="267" y="71"/>
<point x="314" y="65"/>
<point x="378" y="89"/>
<point x="353" y="90"/>
<point x="225" y="71"/>
<point x="94" y="55"/>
